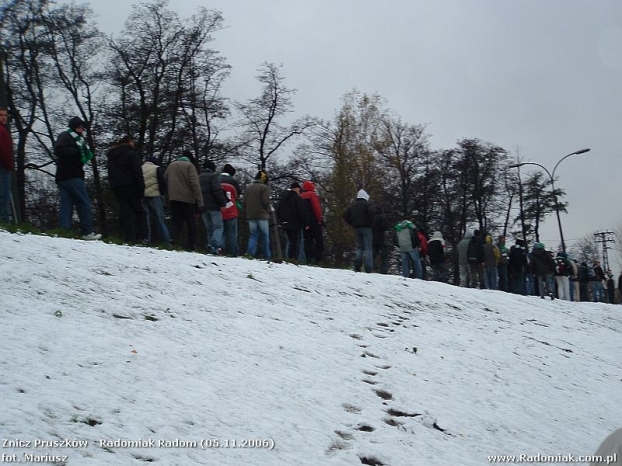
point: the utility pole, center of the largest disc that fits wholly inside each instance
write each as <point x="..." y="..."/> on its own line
<point x="605" y="237"/>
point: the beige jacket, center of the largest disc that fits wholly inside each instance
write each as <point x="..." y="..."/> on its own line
<point x="182" y="181"/>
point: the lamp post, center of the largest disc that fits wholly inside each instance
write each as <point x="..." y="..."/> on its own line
<point x="552" y="178"/>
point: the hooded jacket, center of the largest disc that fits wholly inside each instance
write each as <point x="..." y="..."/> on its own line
<point x="491" y="253"/>
<point x="436" y="248"/>
<point x="124" y="168"/>
<point x="462" y="250"/>
<point x="541" y="262"/>
<point x="311" y="196"/>
<point x="360" y="214"/>
<point x="406" y="238"/>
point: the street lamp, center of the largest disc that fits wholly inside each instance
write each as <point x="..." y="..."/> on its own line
<point x="552" y="178"/>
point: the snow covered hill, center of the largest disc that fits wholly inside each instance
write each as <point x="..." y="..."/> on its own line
<point x="116" y="355"/>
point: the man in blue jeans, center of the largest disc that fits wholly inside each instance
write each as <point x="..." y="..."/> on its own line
<point x="213" y="200"/>
<point x="257" y="206"/>
<point x="6" y="165"/>
<point x="72" y="152"/>
<point x="360" y="216"/>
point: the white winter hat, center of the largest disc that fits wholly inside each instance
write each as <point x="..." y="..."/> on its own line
<point x="362" y="194"/>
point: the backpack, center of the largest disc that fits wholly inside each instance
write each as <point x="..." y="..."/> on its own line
<point x="590" y="273"/>
<point x="560" y="266"/>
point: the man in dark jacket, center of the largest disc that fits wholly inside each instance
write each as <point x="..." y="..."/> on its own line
<point x="293" y="217"/>
<point x="360" y="216"/>
<point x="517" y="267"/>
<point x="475" y="256"/>
<point x="125" y="175"/>
<point x="213" y="200"/>
<point x="543" y="267"/>
<point x="379" y="239"/>
<point x="72" y="152"/>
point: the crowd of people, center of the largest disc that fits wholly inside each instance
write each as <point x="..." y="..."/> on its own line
<point x="143" y="189"/>
<point x="481" y="262"/>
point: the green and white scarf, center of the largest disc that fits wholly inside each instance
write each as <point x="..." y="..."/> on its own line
<point x="86" y="154"/>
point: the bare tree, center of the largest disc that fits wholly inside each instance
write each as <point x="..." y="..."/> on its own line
<point x="263" y="133"/>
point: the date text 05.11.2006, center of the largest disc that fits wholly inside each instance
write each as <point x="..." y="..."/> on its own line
<point x="266" y="443"/>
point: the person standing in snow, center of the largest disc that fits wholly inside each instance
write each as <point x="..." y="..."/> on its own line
<point x="436" y="254"/>
<point x="184" y="197"/>
<point x="155" y="189"/>
<point x="125" y="175"/>
<point x="314" y="242"/>
<point x="230" y="211"/>
<point x="476" y="260"/>
<point x="517" y="267"/>
<point x="294" y="218"/>
<point x="563" y="269"/>
<point x="491" y="261"/>
<point x="543" y="268"/>
<point x="407" y="240"/>
<point x="72" y="152"/>
<point x="462" y="256"/>
<point x="360" y="216"/>
<point x="214" y="199"/>
<point x="257" y="206"/>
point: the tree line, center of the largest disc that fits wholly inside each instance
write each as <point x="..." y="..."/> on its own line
<point x="161" y="81"/>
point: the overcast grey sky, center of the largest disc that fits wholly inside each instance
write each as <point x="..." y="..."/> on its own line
<point x="542" y="76"/>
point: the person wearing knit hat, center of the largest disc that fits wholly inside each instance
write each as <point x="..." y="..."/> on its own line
<point x="230" y="211"/>
<point x="314" y="242"/>
<point x="360" y="216"/>
<point x="72" y="152"/>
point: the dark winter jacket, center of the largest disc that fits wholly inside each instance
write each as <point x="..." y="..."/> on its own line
<point x="211" y="189"/>
<point x="599" y="274"/>
<point x="379" y="228"/>
<point x="541" y="262"/>
<point x="292" y="212"/>
<point x="68" y="158"/>
<point x="360" y="214"/>
<point x="563" y="267"/>
<point x="517" y="260"/>
<point x="436" y="248"/>
<point x="125" y="169"/>
<point x="476" y="250"/>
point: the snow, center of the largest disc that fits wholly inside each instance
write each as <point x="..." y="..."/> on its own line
<point x="296" y="365"/>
